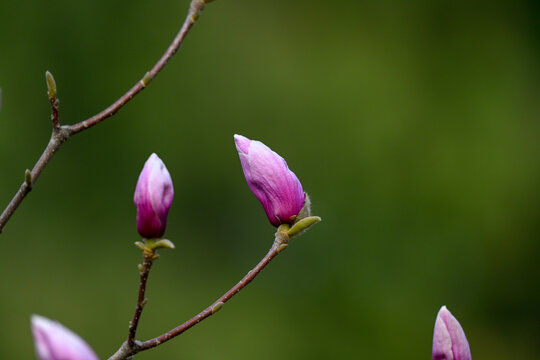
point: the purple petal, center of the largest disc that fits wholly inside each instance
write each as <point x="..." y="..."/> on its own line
<point x="269" y="178"/>
<point x="53" y="341"/>
<point x="449" y="341"/>
<point x="153" y="198"/>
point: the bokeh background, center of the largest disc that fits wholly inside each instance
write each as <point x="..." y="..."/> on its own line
<point x="413" y="125"/>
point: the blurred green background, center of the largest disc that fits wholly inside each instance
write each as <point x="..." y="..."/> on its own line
<point x="413" y="125"/>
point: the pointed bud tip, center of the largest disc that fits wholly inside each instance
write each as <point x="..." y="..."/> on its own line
<point x="449" y="340"/>
<point x="242" y="143"/>
<point x="51" y="84"/>
<point x="53" y="341"/>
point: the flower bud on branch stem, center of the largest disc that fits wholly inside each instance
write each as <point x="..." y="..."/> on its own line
<point x="153" y="197"/>
<point x="62" y="133"/>
<point x="269" y="178"/>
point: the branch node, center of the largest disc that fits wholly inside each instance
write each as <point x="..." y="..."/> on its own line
<point x="28" y="179"/>
<point x="146" y="79"/>
<point x="281" y="248"/>
<point x="196" y="8"/>
<point x="282" y="236"/>
<point x="217" y="307"/>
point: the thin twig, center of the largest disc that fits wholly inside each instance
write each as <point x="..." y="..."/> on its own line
<point x="58" y="136"/>
<point x="141" y="84"/>
<point x="126" y="351"/>
<point x="54" y="112"/>
<point x="53" y="99"/>
<point x="62" y="133"/>
<point x="216" y="305"/>
<point x="144" y="271"/>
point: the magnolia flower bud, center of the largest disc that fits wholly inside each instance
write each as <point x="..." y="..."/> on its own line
<point x="449" y="341"/>
<point x="268" y="176"/>
<point x="53" y="341"/>
<point x="153" y="197"/>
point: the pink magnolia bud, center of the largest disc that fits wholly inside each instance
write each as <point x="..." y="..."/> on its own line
<point x="53" y="341"/>
<point x="153" y="197"/>
<point x="449" y="341"/>
<point x="270" y="179"/>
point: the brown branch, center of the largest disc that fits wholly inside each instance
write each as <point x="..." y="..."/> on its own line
<point x="62" y="133"/>
<point x="216" y="305"/>
<point x="51" y="92"/>
<point x="144" y="271"/>
<point x="280" y="243"/>
<point x="58" y="137"/>
<point x="54" y="112"/>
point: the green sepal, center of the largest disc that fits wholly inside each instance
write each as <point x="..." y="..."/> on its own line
<point x="151" y="245"/>
<point x="162" y="244"/>
<point x="302" y="225"/>
<point x="140" y="245"/>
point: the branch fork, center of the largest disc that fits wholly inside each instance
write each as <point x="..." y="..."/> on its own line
<point x="61" y="133"/>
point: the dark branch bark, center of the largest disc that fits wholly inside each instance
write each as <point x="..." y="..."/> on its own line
<point x="148" y="260"/>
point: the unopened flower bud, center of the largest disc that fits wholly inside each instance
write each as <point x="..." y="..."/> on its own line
<point x="268" y="176"/>
<point x="449" y="341"/>
<point x="153" y="197"/>
<point x="53" y="341"/>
